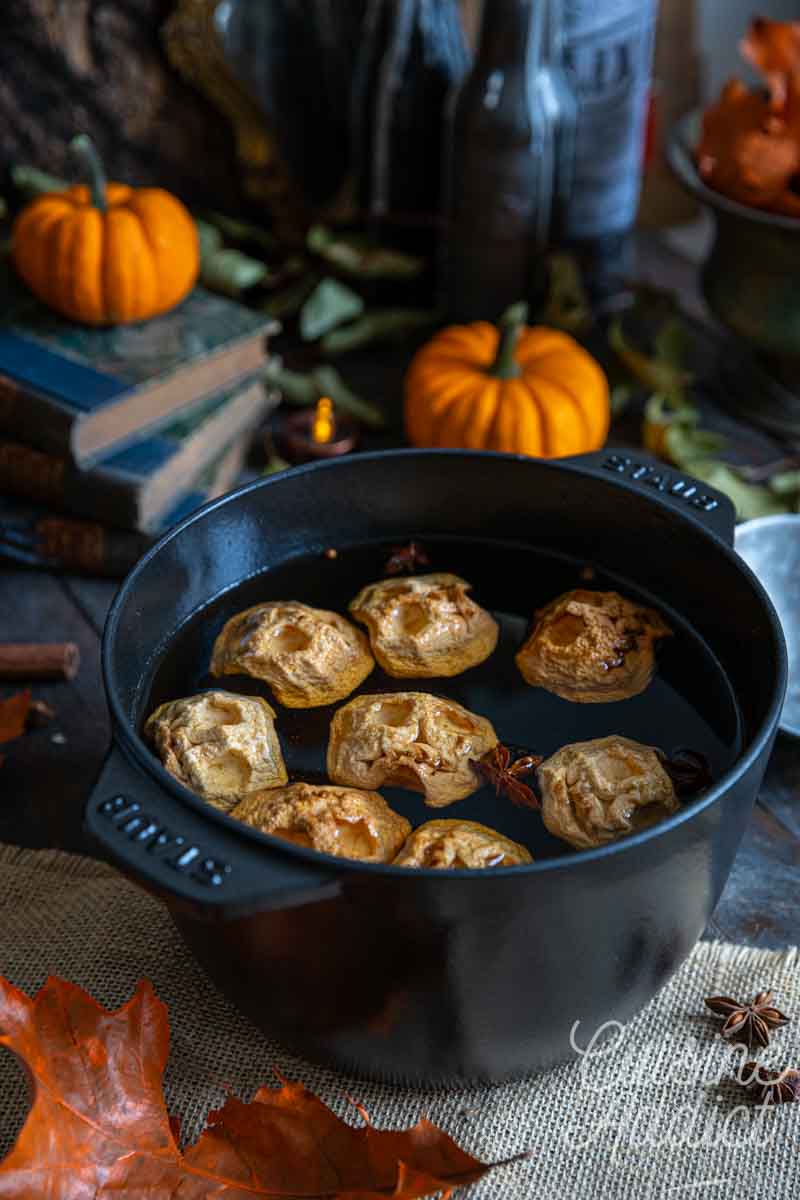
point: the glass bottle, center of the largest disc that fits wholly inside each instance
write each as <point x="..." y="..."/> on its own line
<point x="295" y="57"/>
<point x="413" y="53"/>
<point x="560" y="101"/>
<point x="498" y="170"/>
<point x="608" y="53"/>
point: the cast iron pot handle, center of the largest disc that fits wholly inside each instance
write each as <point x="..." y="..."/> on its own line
<point x="675" y="488"/>
<point x="190" y="860"/>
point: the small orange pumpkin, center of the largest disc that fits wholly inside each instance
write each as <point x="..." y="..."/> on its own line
<point x="524" y="390"/>
<point x="106" y="254"/>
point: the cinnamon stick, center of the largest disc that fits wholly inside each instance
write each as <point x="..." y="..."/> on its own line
<point x="39" y="660"/>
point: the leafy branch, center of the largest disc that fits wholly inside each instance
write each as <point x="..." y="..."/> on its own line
<point x="672" y="429"/>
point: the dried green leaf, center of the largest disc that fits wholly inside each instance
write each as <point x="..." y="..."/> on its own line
<point x="287" y="302"/>
<point x="656" y="374"/>
<point x="290" y="270"/>
<point x="303" y="390"/>
<point x="785" y="483"/>
<point x="684" y="444"/>
<point x="242" y="231"/>
<point x="663" y="409"/>
<point x="209" y="238"/>
<point x="356" y="255"/>
<point x="749" y="500"/>
<point x="296" y="389"/>
<point x="660" y="413"/>
<point x="671" y="342"/>
<point x="567" y="304"/>
<point x="380" y="325"/>
<point x="671" y="431"/>
<point x="330" y="304"/>
<point x="32" y="182"/>
<point x="620" y="398"/>
<point x="229" y="271"/>
<point x="223" y="268"/>
<point x="275" y="465"/>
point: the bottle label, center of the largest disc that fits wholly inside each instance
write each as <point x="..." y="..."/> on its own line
<point x="608" y="53"/>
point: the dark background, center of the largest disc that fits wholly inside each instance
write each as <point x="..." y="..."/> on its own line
<point x="98" y="67"/>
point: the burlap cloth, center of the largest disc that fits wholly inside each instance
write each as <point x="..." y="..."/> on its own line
<point x="656" y="1115"/>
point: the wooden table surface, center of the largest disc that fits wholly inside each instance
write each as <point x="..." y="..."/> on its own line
<point x="48" y="773"/>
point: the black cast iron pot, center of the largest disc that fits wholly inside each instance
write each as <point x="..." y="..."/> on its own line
<point x="448" y="976"/>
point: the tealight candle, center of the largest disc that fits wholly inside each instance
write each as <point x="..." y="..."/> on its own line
<point x="317" y="433"/>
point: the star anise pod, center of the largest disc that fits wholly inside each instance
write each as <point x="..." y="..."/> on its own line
<point x="40" y="713"/>
<point x="505" y="777"/>
<point x="406" y="560"/>
<point x="689" y="770"/>
<point x="775" y="1087"/>
<point x="748" y="1023"/>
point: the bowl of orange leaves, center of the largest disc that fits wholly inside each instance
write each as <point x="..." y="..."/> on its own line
<point x="741" y="159"/>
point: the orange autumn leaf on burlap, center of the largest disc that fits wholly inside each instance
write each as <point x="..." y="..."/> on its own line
<point x="13" y="716"/>
<point x="98" y="1126"/>
<point x="750" y="143"/>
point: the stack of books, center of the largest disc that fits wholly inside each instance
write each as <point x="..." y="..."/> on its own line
<point x="127" y="428"/>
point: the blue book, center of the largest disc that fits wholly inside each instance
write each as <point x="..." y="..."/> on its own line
<point x="135" y="487"/>
<point x="77" y="391"/>
<point x="30" y="536"/>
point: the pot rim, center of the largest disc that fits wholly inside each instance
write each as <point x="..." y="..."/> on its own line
<point x="135" y="748"/>
<point x="682" y="141"/>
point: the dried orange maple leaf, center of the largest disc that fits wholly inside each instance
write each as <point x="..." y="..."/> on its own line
<point x="738" y="156"/>
<point x="98" y="1126"/>
<point x="13" y="716"/>
<point x="750" y="142"/>
<point x="773" y="48"/>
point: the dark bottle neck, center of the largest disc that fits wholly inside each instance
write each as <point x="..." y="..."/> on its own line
<point x="510" y="32"/>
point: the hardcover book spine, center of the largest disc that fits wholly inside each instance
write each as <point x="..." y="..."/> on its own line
<point x="88" y="547"/>
<point x="34" y="418"/>
<point x="52" y="480"/>
<point x="55" y="543"/>
<point x="29" y="473"/>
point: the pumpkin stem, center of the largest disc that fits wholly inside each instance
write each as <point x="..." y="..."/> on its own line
<point x="510" y="325"/>
<point x="84" y="150"/>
